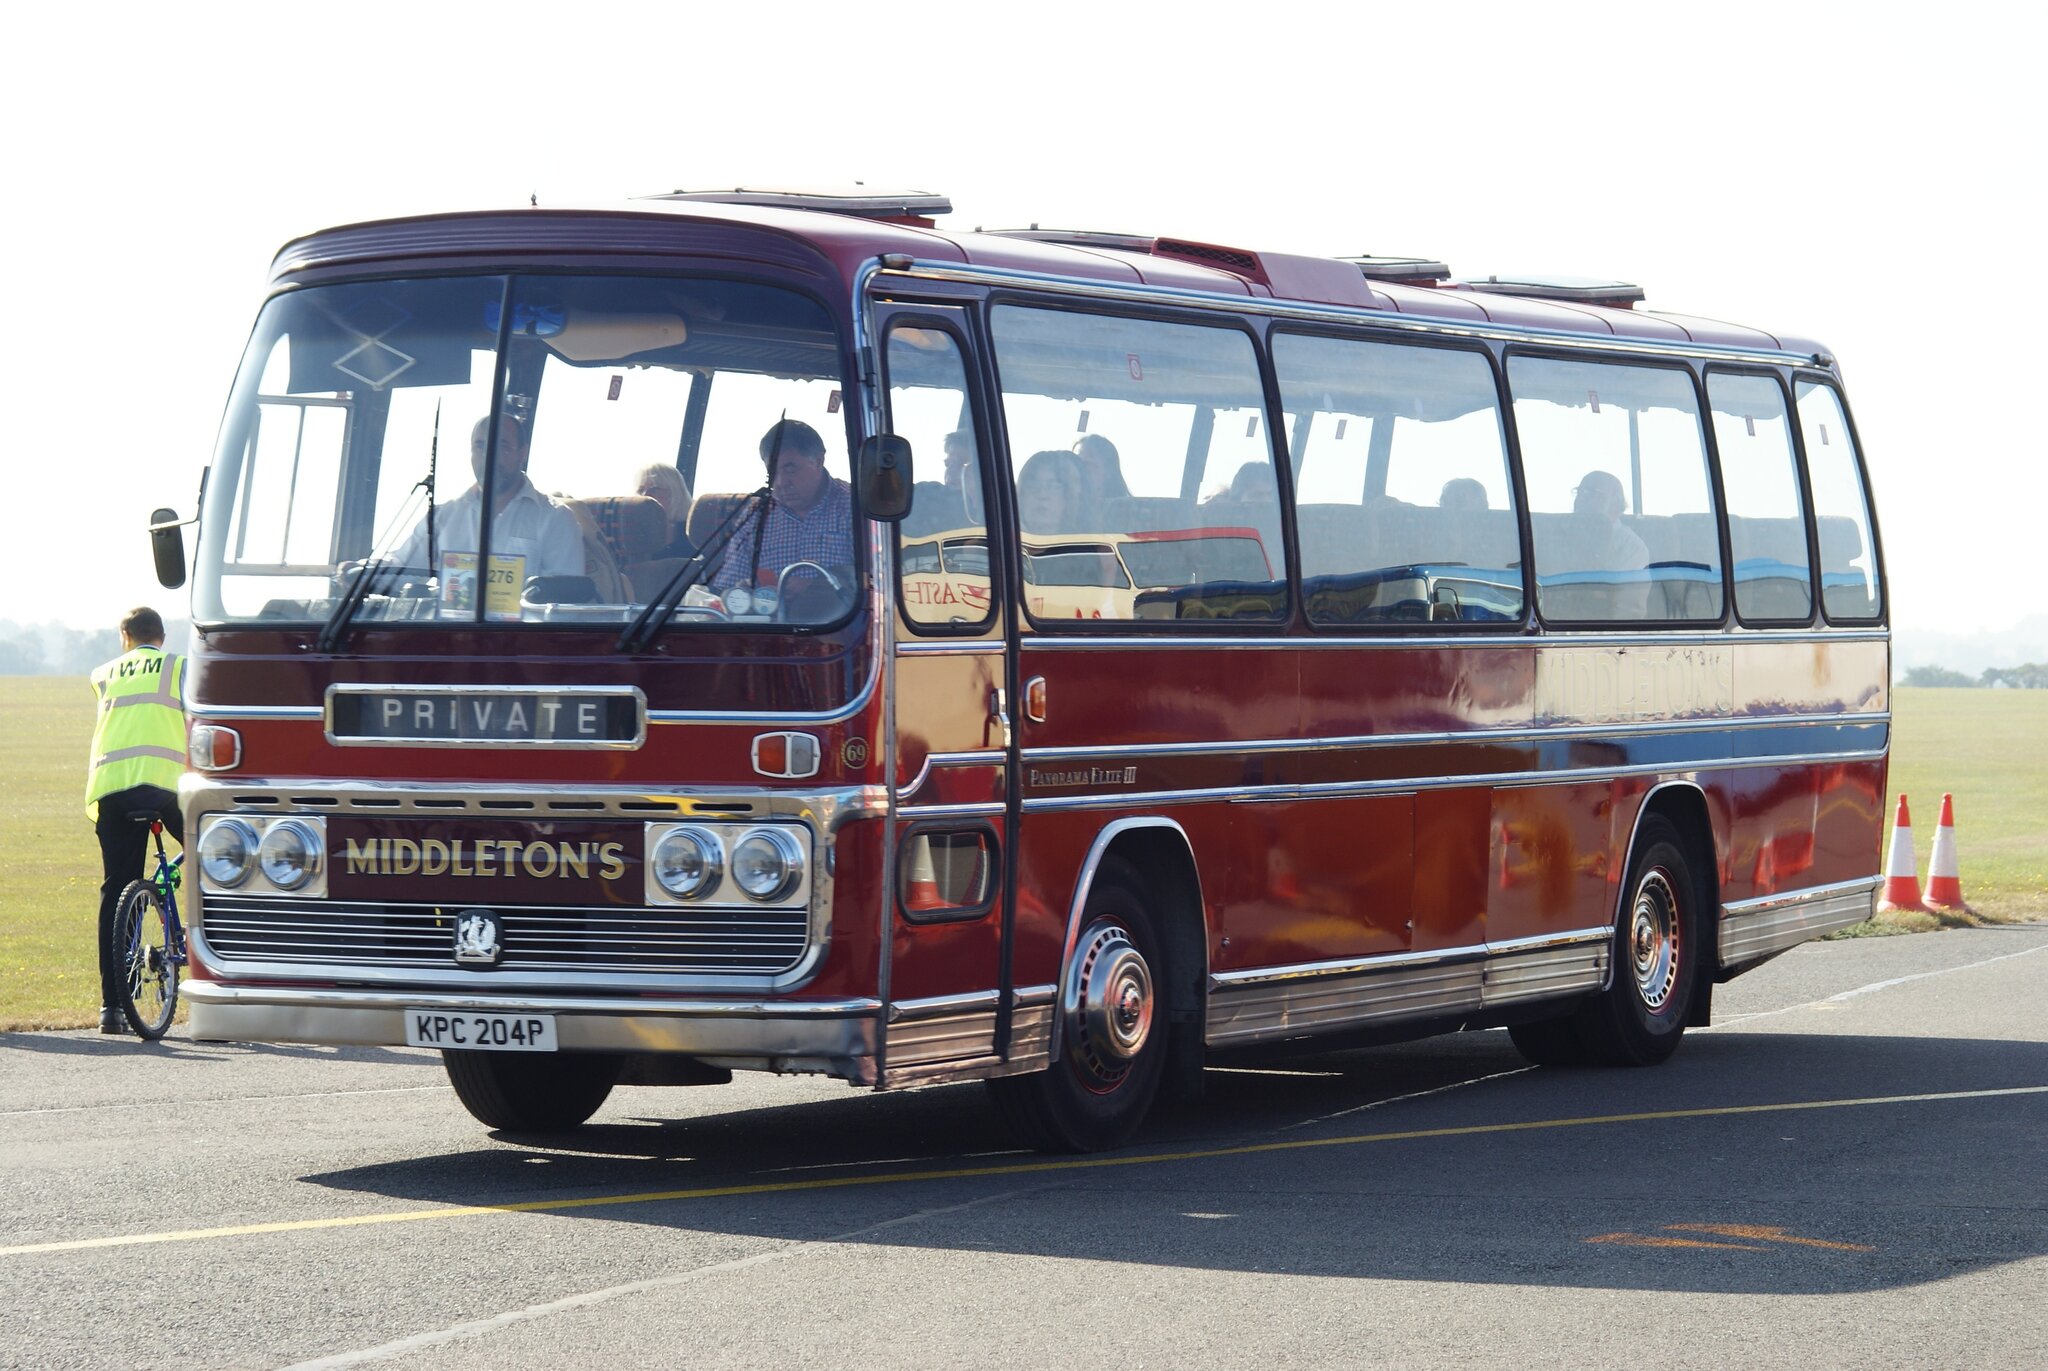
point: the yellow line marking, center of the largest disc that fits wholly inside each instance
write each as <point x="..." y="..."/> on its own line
<point x="1762" y="1234"/>
<point x="1638" y="1240"/>
<point x="979" y="1172"/>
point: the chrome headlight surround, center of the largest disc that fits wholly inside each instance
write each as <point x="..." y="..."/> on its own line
<point x="227" y="852"/>
<point x="673" y="853"/>
<point x="766" y="864"/>
<point x="291" y="854"/>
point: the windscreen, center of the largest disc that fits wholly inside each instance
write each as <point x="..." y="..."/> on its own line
<point x="539" y="449"/>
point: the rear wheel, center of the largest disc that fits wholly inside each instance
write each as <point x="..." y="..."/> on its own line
<point x="1112" y="1038"/>
<point x="143" y="962"/>
<point x="524" y="1092"/>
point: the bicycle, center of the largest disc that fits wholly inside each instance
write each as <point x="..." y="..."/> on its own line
<point x="149" y="942"/>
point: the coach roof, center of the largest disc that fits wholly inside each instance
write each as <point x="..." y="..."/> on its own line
<point x="656" y="227"/>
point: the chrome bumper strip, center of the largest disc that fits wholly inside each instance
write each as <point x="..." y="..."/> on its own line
<point x="1763" y="927"/>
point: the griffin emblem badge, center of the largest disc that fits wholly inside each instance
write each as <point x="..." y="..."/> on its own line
<point x="477" y="938"/>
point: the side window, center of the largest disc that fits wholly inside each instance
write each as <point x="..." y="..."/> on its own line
<point x="1841" y="509"/>
<point x="1766" y="517"/>
<point x="1621" y="511"/>
<point x="943" y="542"/>
<point x="1403" y="504"/>
<point x="1144" y="468"/>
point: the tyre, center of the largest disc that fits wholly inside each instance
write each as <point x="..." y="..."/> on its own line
<point x="523" y="1092"/>
<point x="144" y="969"/>
<point x="1640" y="1017"/>
<point x="1113" y="1039"/>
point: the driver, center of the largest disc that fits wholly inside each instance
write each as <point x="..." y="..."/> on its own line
<point x="524" y="522"/>
<point x="809" y="518"/>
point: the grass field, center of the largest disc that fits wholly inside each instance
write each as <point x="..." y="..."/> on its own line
<point x="1989" y="748"/>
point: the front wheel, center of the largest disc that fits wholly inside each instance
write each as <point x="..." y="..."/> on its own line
<point x="1113" y="1040"/>
<point x="523" y="1092"/>
<point x="144" y="960"/>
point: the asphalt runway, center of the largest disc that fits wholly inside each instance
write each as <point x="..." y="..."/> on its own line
<point x="1850" y="1169"/>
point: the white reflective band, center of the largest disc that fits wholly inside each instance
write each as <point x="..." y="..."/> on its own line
<point x="122" y="754"/>
<point x="167" y="698"/>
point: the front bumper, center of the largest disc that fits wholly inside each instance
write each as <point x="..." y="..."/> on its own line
<point x="833" y="1037"/>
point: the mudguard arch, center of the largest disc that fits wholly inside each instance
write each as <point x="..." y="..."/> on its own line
<point x="1096" y="852"/>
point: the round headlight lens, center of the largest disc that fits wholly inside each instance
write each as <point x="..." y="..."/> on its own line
<point x="226" y="852"/>
<point x="290" y="855"/>
<point x="687" y="862"/>
<point x="767" y="863"/>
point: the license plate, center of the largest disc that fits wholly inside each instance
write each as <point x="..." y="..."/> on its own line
<point x="486" y="1032"/>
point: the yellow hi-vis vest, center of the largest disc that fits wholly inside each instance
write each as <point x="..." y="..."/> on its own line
<point x="139" y="738"/>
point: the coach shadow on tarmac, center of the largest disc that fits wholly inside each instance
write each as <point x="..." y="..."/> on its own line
<point x="1860" y="1198"/>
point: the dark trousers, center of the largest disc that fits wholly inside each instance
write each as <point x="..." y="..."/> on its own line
<point x="124" y="850"/>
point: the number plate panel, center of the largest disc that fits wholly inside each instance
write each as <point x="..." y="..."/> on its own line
<point x="480" y="1032"/>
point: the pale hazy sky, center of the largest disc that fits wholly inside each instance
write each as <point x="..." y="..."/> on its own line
<point x="1864" y="176"/>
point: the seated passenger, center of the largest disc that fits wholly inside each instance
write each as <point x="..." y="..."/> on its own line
<point x="1463" y="494"/>
<point x="664" y="485"/>
<point x="962" y="478"/>
<point x="524" y="522"/>
<point x="1051" y="493"/>
<point x="809" y="518"/>
<point x="1601" y="542"/>
<point x="1102" y="470"/>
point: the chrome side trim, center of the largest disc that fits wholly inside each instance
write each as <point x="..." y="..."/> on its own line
<point x="1383" y="320"/>
<point x="921" y="647"/>
<point x="258" y="712"/>
<point x="1518" y="734"/>
<point x="1751" y="929"/>
<point x="987" y="809"/>
<point x="1322" y="997"/>
<point x="1268" y="794"/>
<point x="834" y="1036"/>
<point x="985" y="757"/>
<point x="952" y="1037"/>
<point x="1086" y="642"/>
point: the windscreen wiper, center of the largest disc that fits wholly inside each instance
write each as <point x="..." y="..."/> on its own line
<point x="335" y="630"/>
<point x="655" y="616"/>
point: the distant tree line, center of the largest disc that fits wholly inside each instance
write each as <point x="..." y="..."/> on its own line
<point x="2032" y="676"/>
<point x="58" y="650"/>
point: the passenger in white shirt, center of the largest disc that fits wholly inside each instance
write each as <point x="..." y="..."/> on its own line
<point x="524" y="522"/>
<point x="1602" y="542"/>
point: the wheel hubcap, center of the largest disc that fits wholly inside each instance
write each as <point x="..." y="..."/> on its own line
<point x="1653" y="940"/>
<point x="1109" y="1006"/>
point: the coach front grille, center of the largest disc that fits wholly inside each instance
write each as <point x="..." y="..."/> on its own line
<point x="629" y="941"/>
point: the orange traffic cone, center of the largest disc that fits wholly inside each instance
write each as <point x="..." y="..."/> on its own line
<point x="921" y="892"/>
<point x="1901" y="888"/>
<point x="1944" y="881"/>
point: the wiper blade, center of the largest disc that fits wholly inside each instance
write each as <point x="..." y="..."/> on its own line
<point x="655" y="616"/>
<point x="335" y="630"/>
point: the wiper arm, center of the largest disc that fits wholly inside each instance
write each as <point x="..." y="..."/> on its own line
<point x="335" y="630"/>
<point x="655" y="616"/>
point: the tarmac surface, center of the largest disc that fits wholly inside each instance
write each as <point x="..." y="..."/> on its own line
<point x="1846" y="1170"/>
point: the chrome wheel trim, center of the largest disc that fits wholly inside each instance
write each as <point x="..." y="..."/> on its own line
<point x="1109" y="1006"/>
<point x="1653" y="940"/>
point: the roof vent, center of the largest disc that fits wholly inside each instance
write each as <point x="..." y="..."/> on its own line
<point x="895" y="206"/>
<point x="1403" y="271"/>
<point x="1236" y="261"/>
<point x="1573" y="290"/>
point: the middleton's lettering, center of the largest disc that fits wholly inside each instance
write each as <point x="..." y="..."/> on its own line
<point x="464" y="857"/>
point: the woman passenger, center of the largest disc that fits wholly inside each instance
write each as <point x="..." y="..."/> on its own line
<point x="1049" y="492"/>
<point x="664" y="485"/>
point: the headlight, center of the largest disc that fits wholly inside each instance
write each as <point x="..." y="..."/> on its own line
<point x="226" y="851"/>
<point x="687" y="862"/>
<point x="290" y="855"/>
<point x="766" y="863"/>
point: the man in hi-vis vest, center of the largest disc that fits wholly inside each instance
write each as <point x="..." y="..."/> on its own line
<point x="138" y="754"/>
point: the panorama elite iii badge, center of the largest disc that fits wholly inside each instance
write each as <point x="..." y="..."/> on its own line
<point x="478" y="938"/>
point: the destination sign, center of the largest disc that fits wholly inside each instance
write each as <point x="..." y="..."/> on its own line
<point x="539" y="718"/>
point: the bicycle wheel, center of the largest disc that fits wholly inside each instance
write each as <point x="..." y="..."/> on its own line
<point x="149" y="976"/>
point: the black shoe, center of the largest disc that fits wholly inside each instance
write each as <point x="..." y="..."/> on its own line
<point x="113" y="1021"/>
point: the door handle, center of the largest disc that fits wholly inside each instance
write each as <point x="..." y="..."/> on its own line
<point x="999" y="712"/>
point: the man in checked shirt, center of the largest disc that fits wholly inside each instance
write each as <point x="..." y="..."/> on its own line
<point x="810" y="519"/>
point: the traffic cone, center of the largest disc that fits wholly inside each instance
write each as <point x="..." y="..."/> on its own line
<point x="921" y="892"/>
<point x="1944" y="881"/>
<point x="1901" y="887"/>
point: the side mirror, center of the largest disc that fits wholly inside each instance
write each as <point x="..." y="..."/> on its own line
<point x="167" y="545"/>
<point x="885" y="477"/>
